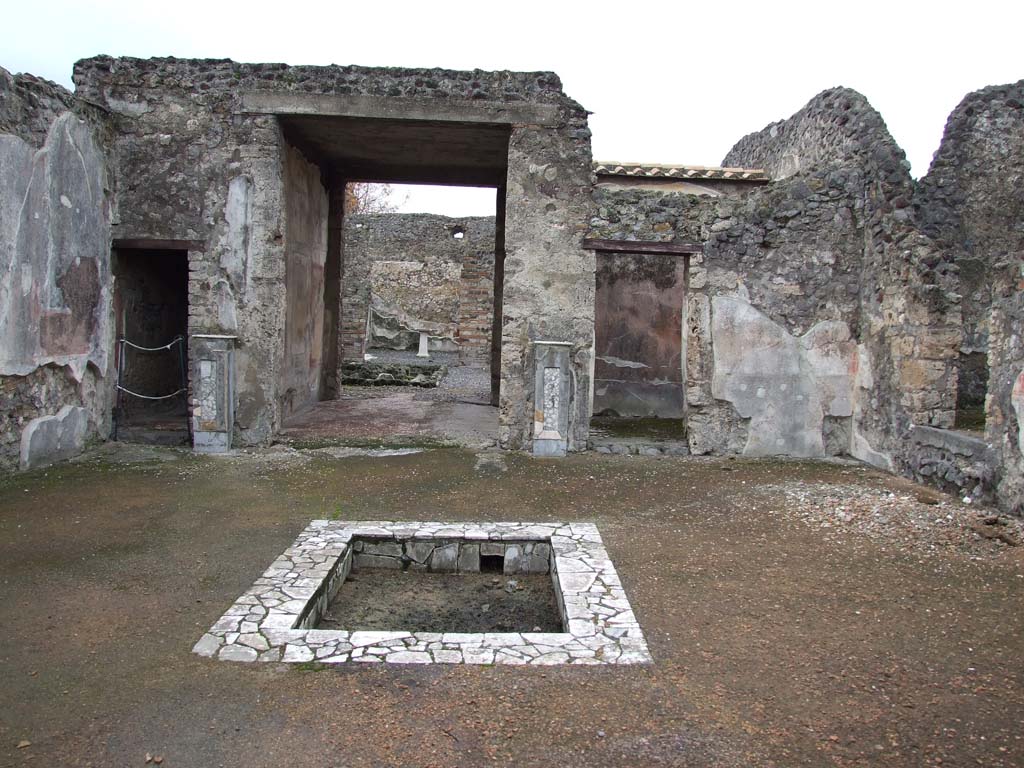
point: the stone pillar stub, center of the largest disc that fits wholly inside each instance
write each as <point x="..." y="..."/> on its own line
<point x="551" y="396"/>
<point x="213" y="392"/>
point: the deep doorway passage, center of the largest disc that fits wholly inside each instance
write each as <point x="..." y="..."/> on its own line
<point x="639" y="373"/>
<point x="388" y="286"/>
<point x="418" y="299"/>
<point x="151" y="310"/>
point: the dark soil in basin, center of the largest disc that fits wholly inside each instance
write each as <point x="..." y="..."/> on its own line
<point x="380" y="599"/>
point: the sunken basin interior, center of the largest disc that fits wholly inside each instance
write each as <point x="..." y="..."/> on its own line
<point x="424" y="585"/>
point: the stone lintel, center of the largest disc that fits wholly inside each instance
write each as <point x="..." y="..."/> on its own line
<point x="395" y="108"/>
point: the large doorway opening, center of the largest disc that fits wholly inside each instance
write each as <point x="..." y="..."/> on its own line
<point x="151" y="316"/>
<point x="640" y="352"/>
<point x="411" y="341"/>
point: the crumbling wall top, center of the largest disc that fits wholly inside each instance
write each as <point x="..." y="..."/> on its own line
<point x="971" y="193"/>
<point x="97" y="77"/>
<point x="837" y="127"/>
<point x="29" y="105"/>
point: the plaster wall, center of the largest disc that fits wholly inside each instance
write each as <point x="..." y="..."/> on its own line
<point x="305" y="251"/>
<point x="55" y="297"/>
<point x="548" y="276"/>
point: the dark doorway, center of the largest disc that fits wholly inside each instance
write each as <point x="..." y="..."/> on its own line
<point x="639" y="383"/>
<point x="151" y="311"/>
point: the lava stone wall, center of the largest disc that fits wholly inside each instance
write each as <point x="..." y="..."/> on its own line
<point x="971" y="202"/>
<point x="909" y="323"/>
<point x="56" y="334"/>
<point x="428" y="240"/>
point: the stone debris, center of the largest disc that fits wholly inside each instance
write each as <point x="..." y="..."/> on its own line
<point x="275" y="619"/>
<point x="924" y="522"/>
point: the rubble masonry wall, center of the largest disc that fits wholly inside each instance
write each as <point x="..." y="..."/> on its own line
<point x="432" y="275"/>
<point x="971" y="202"/>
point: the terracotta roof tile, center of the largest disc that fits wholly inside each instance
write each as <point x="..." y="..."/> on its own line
<point x="685" y="172"/>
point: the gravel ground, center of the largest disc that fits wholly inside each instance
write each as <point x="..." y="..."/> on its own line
<point x="777" y="642"/>
<point x="921" y="522"/>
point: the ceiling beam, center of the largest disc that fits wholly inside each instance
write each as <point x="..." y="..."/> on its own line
<point x="643" y="246"/>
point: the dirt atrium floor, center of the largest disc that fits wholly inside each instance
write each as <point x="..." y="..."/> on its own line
<point x="799" y="613"/>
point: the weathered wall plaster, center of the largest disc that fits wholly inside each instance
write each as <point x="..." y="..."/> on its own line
<point x="1004" y="406"/>
<point x="785" y="385"/>
<point x="55" y="288"/>
<point x="549" y="277"/>
<point x="1017" y="399"/>
<point x="49" y="439"/>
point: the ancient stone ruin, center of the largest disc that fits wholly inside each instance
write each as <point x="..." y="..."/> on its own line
<point x="175" y="229"/>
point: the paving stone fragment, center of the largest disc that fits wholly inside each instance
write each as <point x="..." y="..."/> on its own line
<point x="207" y="645"/>
<point x="237" y="653"/>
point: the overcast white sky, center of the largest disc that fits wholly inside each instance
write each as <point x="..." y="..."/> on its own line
<point x="673" y="82"/>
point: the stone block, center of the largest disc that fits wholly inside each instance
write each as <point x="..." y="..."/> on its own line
<point x="50" y="439"/>
<point x="444" y="559"/>
<point x="513" y="558"/>
<point x="469" y="558"/>
<point x="419" y="551"/>
<point x="377" y="561"/>
<point x="920" y="374"/>
<point x="388" y="548"/>
<point x="939" y="343"/>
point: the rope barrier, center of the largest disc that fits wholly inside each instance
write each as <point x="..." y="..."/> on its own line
<point x="149" y="397"/>
<point x="120" y="373"/>
<point x="176" y="340"/>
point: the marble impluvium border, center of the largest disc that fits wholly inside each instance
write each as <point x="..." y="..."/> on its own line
<point x="274" y="620"/>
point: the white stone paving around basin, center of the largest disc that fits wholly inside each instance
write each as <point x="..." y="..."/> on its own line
<point x="273" y="620"/>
